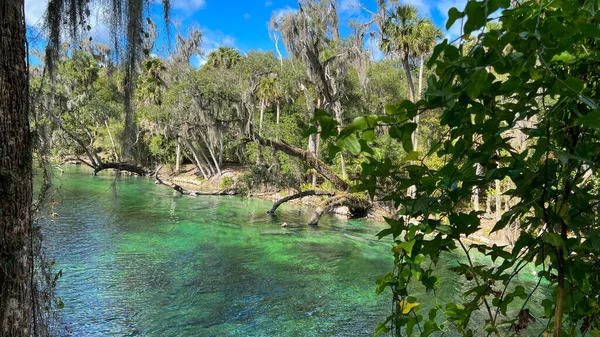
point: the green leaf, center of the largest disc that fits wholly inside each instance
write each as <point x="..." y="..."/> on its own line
<point x="592" y="120"/>
<point x="573" y="84"/>
<point x="553" y="239"/>
<point x="383" y="282"/>
<point x="369" y="135"/>
<point x="406" y="307"/>
<point x="476" y="17"/>
<point x="381" y="328"/>
<point x="414" y="155"/>
<point x="406" y="247"/>
<point x="351" y="143"/>
<point x="311" y="130"/>
<point x="565" y="57"/>
<point x="453" y="15"/>
<point x="360" y="123"/>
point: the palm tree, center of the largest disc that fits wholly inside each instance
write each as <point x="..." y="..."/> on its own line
<point x="401" y="39"/>
<point x="427" y="36"/>
<point x="265" y="91"/>
<point x="406" y="36"/>
<point x="150" y="83"/>
<point x="224" y="57"/>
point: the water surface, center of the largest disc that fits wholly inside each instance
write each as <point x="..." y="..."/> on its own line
<point x="141" y="260"/>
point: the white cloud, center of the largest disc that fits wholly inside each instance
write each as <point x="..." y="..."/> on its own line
<point x="189" y="5"/>
<point x="268" y="3"/>
<point x="247" y="16"/>
<point x="278" y="13"/>
<point x="213" y="39"/>
<point x="34" y="11"/>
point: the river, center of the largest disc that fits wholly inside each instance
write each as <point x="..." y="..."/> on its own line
<point x="141" y="260"/>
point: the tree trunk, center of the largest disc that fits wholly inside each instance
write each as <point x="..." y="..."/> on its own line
<point x="112" y="141"/>
<point x="297" y="196"/>
<point x="196" y="158"/>
<point x="409" y="81"/>
<point x="310" y="158"/>
<point x="354" y="203"/>
<point x="498" y="201"/>
<point x="220" y="149"/>
<point x="122" y="167"/>
<point x="15" y="175"/>
<point x="420" y="77"/>
<point x="277" y="121"/>
<point x="313" y="145"/>
<point x="184" y="191"/>
<point x="212" y="154"/>
<point x="262" y="114"/>
<point x="177" y="155"/>
<point x="337" y="110"/>
<point x="475" y="189"/>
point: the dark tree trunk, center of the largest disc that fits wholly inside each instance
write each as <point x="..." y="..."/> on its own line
<point x="356" y="204"/>
<point x="297" y="196"/>
<point x="15" y="175"/>
<point x="141" y="171"/>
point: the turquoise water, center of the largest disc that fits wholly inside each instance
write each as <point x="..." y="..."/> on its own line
<point x="140" y="260"/>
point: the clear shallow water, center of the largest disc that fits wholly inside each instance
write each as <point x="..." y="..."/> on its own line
<point x="141" y="260"/>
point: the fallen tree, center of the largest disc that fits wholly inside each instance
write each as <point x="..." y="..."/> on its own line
<point x="184" y="191"/>
<point x="356" y="203"/>
<point x="309" y="157"/>
<point x="139" y="170"/>
<point x="297" y="196"/>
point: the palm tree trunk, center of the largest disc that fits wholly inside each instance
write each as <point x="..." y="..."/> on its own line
<point x="421" y="77"/>
<point x="15" y="175"/>
<point x="409" y="81"/>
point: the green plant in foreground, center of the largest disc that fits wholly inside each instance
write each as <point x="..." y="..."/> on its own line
<point x="535" y="75"/>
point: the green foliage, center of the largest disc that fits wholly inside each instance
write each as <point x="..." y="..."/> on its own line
<point x="535" y="73"/>
<point x="227" y="182"/>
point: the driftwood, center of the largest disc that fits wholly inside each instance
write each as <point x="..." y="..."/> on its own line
<point x="356" y="204"/>
<point x="310" y="158"/>
<point x="298" y="196"/>
<point x="122" y="167"/>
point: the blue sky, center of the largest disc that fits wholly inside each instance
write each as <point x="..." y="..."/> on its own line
<point x="243" y="24"/>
